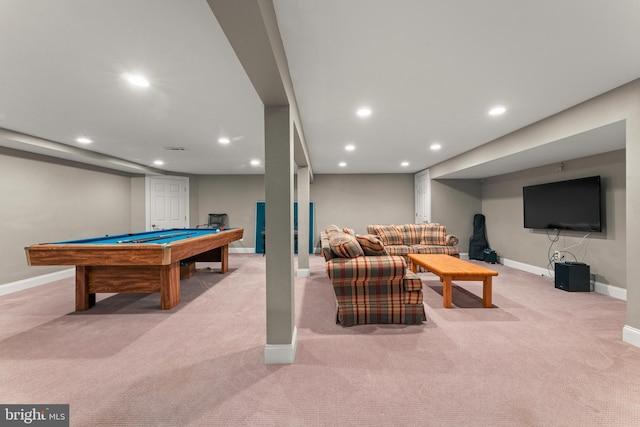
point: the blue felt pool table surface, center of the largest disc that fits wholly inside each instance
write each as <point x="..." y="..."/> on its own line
<point x="151" y="237"/>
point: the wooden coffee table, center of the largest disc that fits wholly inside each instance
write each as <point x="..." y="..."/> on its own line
<point x="449" y="268"/>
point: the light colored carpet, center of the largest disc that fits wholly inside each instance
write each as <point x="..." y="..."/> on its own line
<point x="540" y="357"/>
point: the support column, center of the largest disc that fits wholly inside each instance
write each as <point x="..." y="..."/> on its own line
<point x="281" y="331"/>
<point x="303" y="222"/>
<point x="631" y="330"/>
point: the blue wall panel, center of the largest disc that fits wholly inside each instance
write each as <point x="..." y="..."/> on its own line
<point x="260" y="225"/>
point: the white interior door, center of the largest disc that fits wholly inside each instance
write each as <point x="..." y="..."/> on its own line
<point x="167" y="202"/>
<point x="423" y="197"/>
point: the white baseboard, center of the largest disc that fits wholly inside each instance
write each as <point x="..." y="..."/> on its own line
<point x="303" y="272"/>
<point x="612" y="291"/>
<point x="631" y="335"/>
<point x="525" y="267"/>
<point x="242" y="250"/>
<point x="32" y="282"/>
<point x="600" y="288"/>
<point x="281" y="354"/>
<point x="43" y="279"/>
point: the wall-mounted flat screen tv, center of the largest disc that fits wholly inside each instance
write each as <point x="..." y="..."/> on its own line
<point x="565" y="205"/>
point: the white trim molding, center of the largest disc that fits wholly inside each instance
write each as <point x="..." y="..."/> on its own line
<point x="525" y="267"/>
<point x="631" y="335"/>
<point x="303" y="272"/>
<point x="281" y="354"/>
<point x="612" y="291"/>
<point x="32" y="282"/>
<point x="600" y="288"/>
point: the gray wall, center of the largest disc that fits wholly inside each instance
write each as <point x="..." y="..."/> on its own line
<point x="46" y="201"/>
<point x="453" y="203"/>
<point x="235" y="195"/>
<point x="605" y="252"/>
<point x="354" y="201"/>
<point x="138" y="203"/>
<point x="348" y="200"/>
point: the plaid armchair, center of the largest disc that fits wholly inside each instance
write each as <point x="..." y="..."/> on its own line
<point x="372" y="288"/>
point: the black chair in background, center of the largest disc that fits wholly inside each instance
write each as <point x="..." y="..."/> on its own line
<point x="215" y="221"/>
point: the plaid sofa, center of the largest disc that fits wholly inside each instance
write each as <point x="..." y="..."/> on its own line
<point x="370" y="286"/>
<point x="431" y="238"/>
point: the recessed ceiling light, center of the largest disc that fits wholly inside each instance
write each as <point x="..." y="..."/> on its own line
<point x="435" y="146"/>
<point x="255" y="162"/>
<point x="84" y="140"/>
<point x="342" y="164"/>
<point x="136" y="80"/>
<point x="350" y="147"/>
<point x="364" y="112"/>
<point x="404" y="164"/>
<point x="496" y="111"/>
<point x="158" y="162"/>
<point x="224" y="140"/>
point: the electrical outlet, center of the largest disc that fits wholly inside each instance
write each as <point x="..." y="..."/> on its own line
<point x="556" y="255"/>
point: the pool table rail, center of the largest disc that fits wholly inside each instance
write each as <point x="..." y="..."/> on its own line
<point x="83" y="254"/>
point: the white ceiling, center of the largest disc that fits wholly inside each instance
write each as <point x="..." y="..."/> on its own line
<point x="428" y="69"/>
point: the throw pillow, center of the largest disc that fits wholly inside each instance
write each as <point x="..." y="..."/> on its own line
<point x="371" y="244"/>
<point x="345" y="245"/>
<point x="332" y="229"/>
<point x="451" y="240"/>
<point x="434" y="235"/>
<point x="390" y="234"/>
<point x="412" y="233"/>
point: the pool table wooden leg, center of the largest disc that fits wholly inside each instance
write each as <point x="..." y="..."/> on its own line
<point x="169" y="286"/>
<point x="224" y="259"/>
<point x="84" y="299"/>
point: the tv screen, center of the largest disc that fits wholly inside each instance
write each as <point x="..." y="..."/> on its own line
<point x="564" y="205"/>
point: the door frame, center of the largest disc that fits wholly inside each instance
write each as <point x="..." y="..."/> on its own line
<point x="147" y="197"/>
<point x="427" y="200"/>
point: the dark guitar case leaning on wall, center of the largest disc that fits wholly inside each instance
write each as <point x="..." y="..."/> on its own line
<point x="478" y="241"/>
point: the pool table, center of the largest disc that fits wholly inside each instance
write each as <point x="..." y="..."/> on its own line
<point x="137" y="262"/>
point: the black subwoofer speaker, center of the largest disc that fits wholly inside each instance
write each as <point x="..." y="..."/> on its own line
<point x="573" y="276"/>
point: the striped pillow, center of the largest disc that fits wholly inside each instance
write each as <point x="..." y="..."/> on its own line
<point x="451" y="240"/>
<point x="371" y="244"/>
<point x="434" y="235"/>
<point x="345" y="245"/>
<point x="390" y="234"/>
<point x="412" y="233"/>
<point x="332" y="229"/>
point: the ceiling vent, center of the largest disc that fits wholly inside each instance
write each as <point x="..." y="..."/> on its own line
<point x="175" y="148"/>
